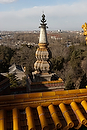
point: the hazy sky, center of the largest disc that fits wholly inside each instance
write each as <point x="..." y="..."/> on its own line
<point x="26" y="14"/>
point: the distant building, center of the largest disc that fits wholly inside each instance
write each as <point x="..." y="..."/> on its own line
<point x="19" y="72"/>
<point x="56" y="37"/>
<point x="68" y="44"/>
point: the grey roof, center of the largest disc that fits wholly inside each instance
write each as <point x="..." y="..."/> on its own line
<point x="17" y="70"/>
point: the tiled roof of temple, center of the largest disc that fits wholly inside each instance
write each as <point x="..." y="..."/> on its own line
<point x="47" y="85"/>
<point x="17" y="70"/>
<point x="46" y="110"/>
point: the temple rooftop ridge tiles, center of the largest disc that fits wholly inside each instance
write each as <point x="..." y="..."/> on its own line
<point x="45" y="110"/>
<point x="43" y="98"/>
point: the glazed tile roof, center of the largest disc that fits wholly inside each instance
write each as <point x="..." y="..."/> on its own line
<point x="44" y="111"/>
<point x="47" y="85"/>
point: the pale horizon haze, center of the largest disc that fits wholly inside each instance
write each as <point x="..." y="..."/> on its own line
<point x="24" y="15"/>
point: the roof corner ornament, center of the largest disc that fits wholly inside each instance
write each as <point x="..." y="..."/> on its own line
<point x="84" y="27"/>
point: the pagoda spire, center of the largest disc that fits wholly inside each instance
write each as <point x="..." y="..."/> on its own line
<point x="42" y="64"/>
<point x="42" y="54"/>
<point x="43" y="34"/>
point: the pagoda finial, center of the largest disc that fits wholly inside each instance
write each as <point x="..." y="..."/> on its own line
<point x="43" y="19"/>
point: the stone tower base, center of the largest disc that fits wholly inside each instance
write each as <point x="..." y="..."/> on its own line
<point x="44" y="77"/>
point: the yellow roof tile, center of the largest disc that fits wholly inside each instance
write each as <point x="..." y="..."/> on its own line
<point x="45" y="103"/>
<point x="83" y="90"/>
<point x="6" y="97"/>
<point x="84" y="104"/>
<point x="56" y="102"/>
<point x="48" y="94"/>
<point x="61" y="92"/>
<point x="16" y="124"/>
<point x="21" y="96"/>
<point x="54" y="115"/>
<point x="78" y="100"/>
<point x="30" y="118"/>
<point x="42" y="118"/>
<point x="67" y="115"/>
<point x="78" y="113"/>
<point x="2" y="120"/>
<point x="50" y="97"/>
<point x="35" y="95"/>
<point x="75" y="91"/>
<point x="66" y="96"/>
<point x="66" y="101"/>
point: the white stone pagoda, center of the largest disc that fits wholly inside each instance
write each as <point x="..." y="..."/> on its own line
<point x="42" y="65"/>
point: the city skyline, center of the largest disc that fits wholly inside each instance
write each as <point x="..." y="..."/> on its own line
<point x="25" y="15"/>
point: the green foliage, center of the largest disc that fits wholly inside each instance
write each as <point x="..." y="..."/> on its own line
<point x="13" y="80"/>
<point x="83" y="43"/>
<point x="84" y="54"/>
<point x="70" y="51"/>
<point x="5" y="55"/>
<point x="23" y="81"/>
<point x="78" y="75"/>
<point x="69" y="83"/>
<point x="29" y="70"/>
<point x="57" y="63"/>
<point x="69" y="68"/>
<point x="25" y="57"/>
<point x="76" y="58"/>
